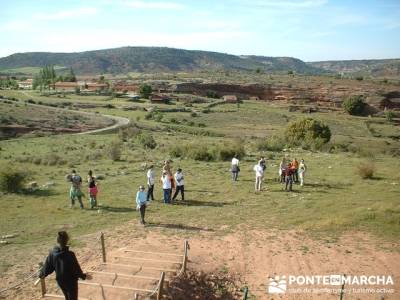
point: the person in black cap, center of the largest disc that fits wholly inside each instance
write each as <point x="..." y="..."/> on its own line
<point x="66" y="266"/>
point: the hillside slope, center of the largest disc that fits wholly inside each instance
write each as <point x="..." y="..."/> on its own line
<point x="152" y="59"/>
<point x="372" y="67"/>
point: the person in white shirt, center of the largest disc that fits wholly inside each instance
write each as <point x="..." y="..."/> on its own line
<point x="302" y="171"/>
<point x="150" y="183"/>
<point x="258" y="168"/>
<point x="235" y="168"/>
<point x="180" y="185"/>
<point x="166" y="185"/>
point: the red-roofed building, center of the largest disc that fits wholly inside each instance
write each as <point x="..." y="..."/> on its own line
<point x="66" y="86"/>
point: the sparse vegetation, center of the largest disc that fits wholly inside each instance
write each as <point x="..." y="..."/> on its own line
<point x="12" y="180"/>
<point x="366" y="170"/>
<point x="354" y="105"/>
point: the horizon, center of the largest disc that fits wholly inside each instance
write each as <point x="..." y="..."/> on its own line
<point x="92" y="50"/>
<point x="310" y="30"/>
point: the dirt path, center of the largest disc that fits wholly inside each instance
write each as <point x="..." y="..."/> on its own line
<point x="118" y="121"/>
<point x="249" y="256"/>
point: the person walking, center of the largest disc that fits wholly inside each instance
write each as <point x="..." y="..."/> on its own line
<point x="141" y="202"/>
<point x="235" y="168"/>
<point x="75" y="191"/>
<point x="64" y="263"/>
<point x="258" y="168"/>
<point x="295" y="167"/>
<point x="93" y="190"/>
<point x="150" y="183"/>
<point x="282" y="170"/>
<point x="166" y="185"/>
<point x="302" y="171"/>
<point x="288" y="178"/>
<point x="180" y="185"/>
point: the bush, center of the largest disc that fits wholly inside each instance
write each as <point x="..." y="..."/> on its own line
<point x="193" y="115"/>
<point x="145" y="91"/>
<point x="12" y="181"/>
<point x="307" y="133"/>
<point x="272" y="143"/>
<point x="229" y="150"/>
<point x="146" y="140"/>
<point x="53" y="159"/>
<point x="128" y="131"/>
<point x="389" y="114"/>
<point x="200" y="152"/>
<point x="209" y="152"/>
<point x="114" y="150"/>
<point x="366" y="170"/>
<point x="354" y="105"/>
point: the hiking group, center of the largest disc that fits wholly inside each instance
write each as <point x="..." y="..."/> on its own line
<point x="289" y="172"/>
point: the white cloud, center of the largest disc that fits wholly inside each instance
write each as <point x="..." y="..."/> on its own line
<point x="66" y="14"/>
<point x="291" y="4"/>
<point x="154" y="5"/>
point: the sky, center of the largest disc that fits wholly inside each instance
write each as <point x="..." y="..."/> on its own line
<point x="311" y="30"/>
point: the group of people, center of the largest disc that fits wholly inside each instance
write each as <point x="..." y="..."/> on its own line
<point x="75" y="191"/>
<point x="292" y="171"/>
<point x="289" y="172"/>
<point x="168" y="181"/>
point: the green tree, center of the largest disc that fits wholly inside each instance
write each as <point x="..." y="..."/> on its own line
<point x="70" y="76"/>
<point x="307" y="133"/>
<point x="145" y="91"/>
<point x="354" y="105"/>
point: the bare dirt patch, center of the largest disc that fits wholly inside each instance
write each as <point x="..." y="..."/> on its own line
<point x="224" y="263"/>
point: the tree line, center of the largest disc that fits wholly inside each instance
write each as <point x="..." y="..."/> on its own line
<point x="47" y="77"/>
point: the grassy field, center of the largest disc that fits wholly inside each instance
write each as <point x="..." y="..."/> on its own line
<point x="334" y="200"/>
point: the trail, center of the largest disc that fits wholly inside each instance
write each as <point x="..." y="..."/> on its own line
<point x="118" y="121"/>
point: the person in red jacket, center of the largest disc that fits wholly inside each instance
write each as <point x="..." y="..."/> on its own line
<point x="66" y="266"/>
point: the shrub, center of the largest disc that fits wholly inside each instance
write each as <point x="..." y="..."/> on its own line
<point x="307" y="133"/>
<point x="227" y="150"/>
<point x="200" y="152"/>
<point x="146" y="140"/>
<point x="359" y="78"/>
<point x="11" y="180"/>
<point x="128" y="131"/>
<point x="354" y="105"/>
<point x="366" y="170"/>
<point x="193" y="115"/>
<point x="272" y="143"/>
<point x="177" y="151"/>
<point x="389" y="114"/>
<point x="158" y="117"/>
<point x="145" y="91"/>
<point x="114" y="150"/>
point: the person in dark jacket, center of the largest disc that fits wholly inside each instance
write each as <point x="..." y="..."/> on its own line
<point x="66" y="266"/>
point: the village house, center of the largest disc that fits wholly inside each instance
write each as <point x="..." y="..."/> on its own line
<point x="26" y="84"/>
<point x="96" y="86"/>
<point x="230" y="98"/>
<point x="159" y="98"/>
<point x="66" y="86"/>
<point x="126" y="87"/>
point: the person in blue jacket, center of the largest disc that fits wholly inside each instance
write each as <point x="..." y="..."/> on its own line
<point x="66" y="266"/>
<point x="141" y="202"/>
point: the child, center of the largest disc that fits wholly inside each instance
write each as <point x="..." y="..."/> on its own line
<point x="66" y="266"/>
<point x="141" y="200"/>
<point x="75" y="191"/>
<point x="288" y="178"/>
<point x="259" y="169"/>
<point x="92" y="190"/>
<point x="150" y="183"/>
<point x="282" y="170"/>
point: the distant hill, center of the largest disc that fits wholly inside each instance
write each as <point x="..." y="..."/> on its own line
<point x="372" y="67"/>
<point x="151" y="59"/>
